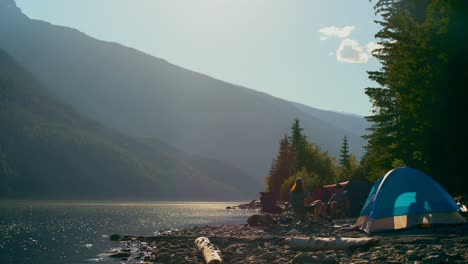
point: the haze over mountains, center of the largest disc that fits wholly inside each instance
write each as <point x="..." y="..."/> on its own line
<point x="141" y="96"/>
<point x="49" y="150"/>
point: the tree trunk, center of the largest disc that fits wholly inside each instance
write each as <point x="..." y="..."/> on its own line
<point x="327" y="243"/>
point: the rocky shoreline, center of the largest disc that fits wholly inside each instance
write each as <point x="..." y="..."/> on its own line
<point x="269" y="244"/>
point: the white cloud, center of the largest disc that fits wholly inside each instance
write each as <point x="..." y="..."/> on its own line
<point x="371" y="46"/>
<point x="350" y="51"/>
<point x="333" y="31"/>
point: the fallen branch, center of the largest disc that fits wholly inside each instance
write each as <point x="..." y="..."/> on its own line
<point x="327" y="243"/>
<point x="210" y="253"/>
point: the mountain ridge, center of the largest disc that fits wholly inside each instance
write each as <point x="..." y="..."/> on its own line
<point x="147" y="96"/>
<point x="48" y="151"/>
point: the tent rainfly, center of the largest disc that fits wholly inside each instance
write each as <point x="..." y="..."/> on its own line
<point x="405" y="198"/>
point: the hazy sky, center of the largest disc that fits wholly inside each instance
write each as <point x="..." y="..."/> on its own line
<point x="313" y="52"/>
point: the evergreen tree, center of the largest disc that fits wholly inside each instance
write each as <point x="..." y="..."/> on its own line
<point x="450" y="153"/>
<point x="415" y="109"/>
<point x="299" y="144"/>
<point x="344" y="156"/>
<point x="282" y="167"/>
<point x="310" y="157"/>
<point x="315" y="166"/>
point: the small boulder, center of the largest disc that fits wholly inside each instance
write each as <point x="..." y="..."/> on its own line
<point x="285" y="219"/>
<point x="260" y="220"/>
<point x="115" y="237"/>
<point x="304" y="258"/>
<point x="120" y="254"/>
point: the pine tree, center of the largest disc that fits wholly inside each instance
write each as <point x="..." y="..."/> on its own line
<point x="296" y="152"/>
<point x="414" y="118"/>
<point x="299" y="144"/>
<point x="344" y="156"/>
<point x="282" y="167"/>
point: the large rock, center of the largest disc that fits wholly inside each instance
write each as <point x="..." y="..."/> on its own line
<point x="260" y="220"/>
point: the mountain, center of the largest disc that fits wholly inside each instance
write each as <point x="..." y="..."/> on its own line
<point x="352" y="124"/>
<point x="49" y="151"/>
<point x="144" y="96"/>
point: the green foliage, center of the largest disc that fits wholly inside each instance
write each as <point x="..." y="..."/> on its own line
<point x="316" y="167"/>
<point x="308" y="155"/>
<point x="285" y="188"/>
<point x="352" y="171"/>
<point x="320" y="163"/>
<point x="398" y="163"/>
<point x="344" y="156"/>
<point x="299" y="144"/>
<point x="311" y="181"/>
<point x="282" y="167"/>
<point x="364" y="170"/>
<point x="416" y="104"/>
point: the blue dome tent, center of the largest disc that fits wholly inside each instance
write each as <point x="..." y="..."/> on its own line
<point x="405" y="198"/>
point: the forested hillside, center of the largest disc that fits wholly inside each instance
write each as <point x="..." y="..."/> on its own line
<point x="49" y="151"/>
<point x="143" y="96"/>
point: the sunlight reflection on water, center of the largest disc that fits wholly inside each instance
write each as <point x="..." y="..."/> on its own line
<point x="74" y="232"/>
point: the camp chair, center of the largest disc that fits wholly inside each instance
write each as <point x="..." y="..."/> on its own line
<point x="305" y="214"/>
<point x="342" y="209"/>
<point x="299" y="209"/>
<point x="323" y="215"/>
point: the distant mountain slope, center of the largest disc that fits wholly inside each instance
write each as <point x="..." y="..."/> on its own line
<point x="351" y="123"/>
<point x="144" y="96"/>
<point x="49" y="151"/>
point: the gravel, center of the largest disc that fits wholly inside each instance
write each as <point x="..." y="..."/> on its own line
<point x="268" y="244"/>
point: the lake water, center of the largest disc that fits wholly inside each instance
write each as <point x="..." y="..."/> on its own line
<point x="77" y="232"/>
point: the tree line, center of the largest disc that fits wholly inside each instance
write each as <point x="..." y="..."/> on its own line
<point x="417" y="117"/>
<point x="297" y="157"/>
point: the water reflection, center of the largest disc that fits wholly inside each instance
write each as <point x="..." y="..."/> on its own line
<point x="77" y="232"/>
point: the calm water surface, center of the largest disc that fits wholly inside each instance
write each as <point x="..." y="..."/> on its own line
<point x="77" y="232"/>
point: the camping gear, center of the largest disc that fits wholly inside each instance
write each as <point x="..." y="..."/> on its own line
<point x="268" y="203"/>
<point x="405" y="198"/>
<point x="357" y="189"/>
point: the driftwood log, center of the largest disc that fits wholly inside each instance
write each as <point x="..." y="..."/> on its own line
<point x="210" y="253"/>
<point x="328" y="243"/>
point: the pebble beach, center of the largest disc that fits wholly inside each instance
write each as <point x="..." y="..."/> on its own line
<point x="245" y="243"/>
